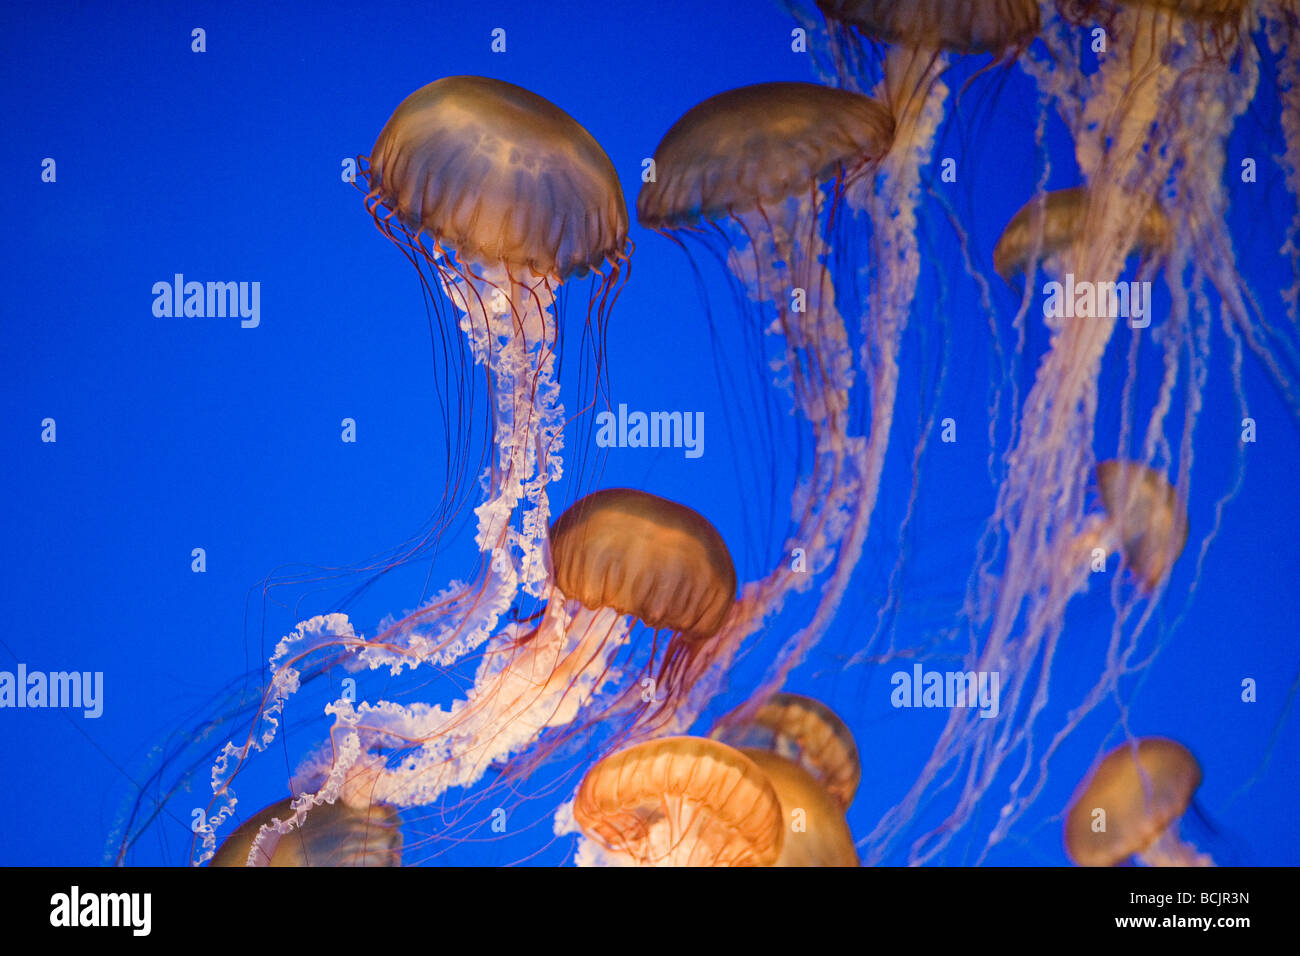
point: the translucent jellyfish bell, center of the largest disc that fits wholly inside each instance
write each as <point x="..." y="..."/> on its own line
<point x="816" y="832"/>
<point x="1144" y="516"/>
<point x="501" y="175"/>
<point x="332" y="834"/>
<point x="681" y="801"/>
<point x="806" y="732"/>
<point x="1130" y="807"/>
<point x="1047" y="226"/>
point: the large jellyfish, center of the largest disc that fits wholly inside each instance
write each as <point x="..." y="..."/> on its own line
<point x="759" y="177"/>
<point x="678" y="801"/>
<point x="616" y="557"/>
<point x="1130" y="806"/>
<point x="497" y="197"/>
<point x="1149" y="126"/>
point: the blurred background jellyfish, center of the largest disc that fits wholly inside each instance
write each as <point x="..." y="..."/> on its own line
<point x="809" y="755"/>
<point x="618" y="557"/>
<point x="1149" y="123"/>
<point x="334" y="835"/>
<point x="1131" y="804"/>
<point x="759" y="177"/>
<point x="1049" y="226"/>
<point x="1144" y="519"/>
<point x="817" y="833"/>
<point x="678" y="801"/>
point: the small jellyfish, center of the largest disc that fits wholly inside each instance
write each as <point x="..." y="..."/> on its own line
<point x="1130" y="807"/>
<point x="646" y="556"/>
<point x="680" y="801"/>
<point x="809" y="755"/>
<point x="619" y="558"/>
<point x="333" y="834"/>
<point x="1053" y="223"/>
<point x="803" y="730"/>
<point x="1145" y="516"/>
<point x="816" y="832"/>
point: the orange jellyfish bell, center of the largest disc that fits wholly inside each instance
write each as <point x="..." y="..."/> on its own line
<point x="681" y="801"/>
<point x="1051" y="224"/>
<point x="501" y="175"/>
<point x="973" y="26"/>
<point x="645" y="556"/>
<point x="1130" y="806"/>
<point x="806" y="732"/>
<point x="758" y="145"/>
<point x="816" y="833"/>
<point x="332" y="834"/>
<point x="1144" y="510"/>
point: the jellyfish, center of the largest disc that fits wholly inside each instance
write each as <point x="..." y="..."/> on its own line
<point x="809" y="755"/>
<point x="1282" y="32"/>
<point x="1144" y="518"/>
<point x="1130" y="806"/>
<point x="759" y="177"/>
<point x="498" y="197"/>
<point x="805" y="731"/>
<point x="1049" y="226"/>
<point x="679" y="801"/>
<point x="817" y="833"/>
<point x="332" y="835"/>
<point x="617" y="558"/>
<point x="1149" y="126"/>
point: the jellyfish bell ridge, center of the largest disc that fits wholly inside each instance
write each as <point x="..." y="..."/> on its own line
<point x="757" y="145"/>
<point x="499" y="175"/>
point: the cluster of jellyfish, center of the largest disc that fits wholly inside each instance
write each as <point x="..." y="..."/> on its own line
<point x="810" y="199"/>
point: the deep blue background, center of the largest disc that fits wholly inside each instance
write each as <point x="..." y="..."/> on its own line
<point x="182" y="433"/>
